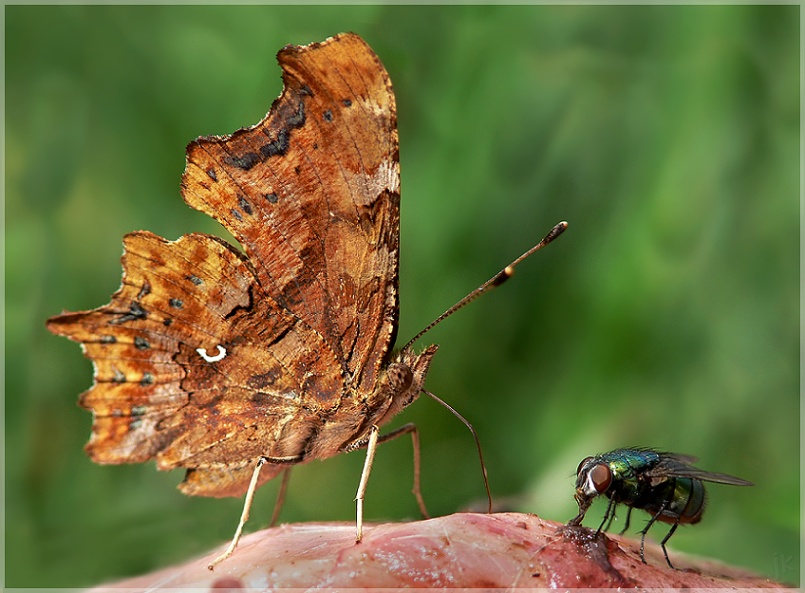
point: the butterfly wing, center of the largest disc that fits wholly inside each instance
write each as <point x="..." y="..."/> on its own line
<point x="207" y="358"/>
<point x="156" y="395"/>
<point x="312" y="195"/>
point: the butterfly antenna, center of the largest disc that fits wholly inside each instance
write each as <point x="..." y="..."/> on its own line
<point x="493" y="282"/>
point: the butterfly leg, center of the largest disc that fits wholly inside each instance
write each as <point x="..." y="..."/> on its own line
<point x="411" y="429"/>
<point x="405" y="429"/>
<point x="247" y="505"/>
<point x="275" y="514"/>
<point x="371" y="447"/>
<point x="454" y="412"/>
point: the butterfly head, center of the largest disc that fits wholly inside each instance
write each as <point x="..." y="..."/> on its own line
<point x="404" y="378"/>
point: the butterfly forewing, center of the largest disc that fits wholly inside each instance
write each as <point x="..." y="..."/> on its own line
<point x="312" y="195"/>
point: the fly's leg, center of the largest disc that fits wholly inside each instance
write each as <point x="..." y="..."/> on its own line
<point x="610" y="513"/>
<point x="666" y="538"/>
<point x="611" y="519"/>
<point x="626" y="524"/>
<point x="665" y="504"/>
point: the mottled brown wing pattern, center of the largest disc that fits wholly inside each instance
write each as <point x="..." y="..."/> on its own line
<point x="208" y="358"/>
<point x="154" y="390"/>
<point x="312" y="195"/>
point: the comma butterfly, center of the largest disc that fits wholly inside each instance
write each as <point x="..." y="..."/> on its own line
<point x="236" y="365"/>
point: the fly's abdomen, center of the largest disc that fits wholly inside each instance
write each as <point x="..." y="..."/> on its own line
<point x="679" y="500"/>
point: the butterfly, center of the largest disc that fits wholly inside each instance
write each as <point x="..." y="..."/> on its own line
<point x="237" y="364"/>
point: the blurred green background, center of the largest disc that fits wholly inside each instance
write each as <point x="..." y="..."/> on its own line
<point x="666" y="316"/>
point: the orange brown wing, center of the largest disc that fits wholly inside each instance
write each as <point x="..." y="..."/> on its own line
<point x="204" y="355"/>
<point x="157" y="395"/>
<point x="312" y="195"/>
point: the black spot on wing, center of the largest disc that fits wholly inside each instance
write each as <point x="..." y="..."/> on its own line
<point x="245" y="161"/>
<point x="278" y="146"/>
<point x="136" y="311"/>
<point x="244" y="205"/>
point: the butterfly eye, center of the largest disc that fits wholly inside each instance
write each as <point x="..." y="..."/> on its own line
<point x="601" y="477"/>
<point x="582" y="464"/>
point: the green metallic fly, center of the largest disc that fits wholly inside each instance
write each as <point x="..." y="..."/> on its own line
<point x="664" y="485"/>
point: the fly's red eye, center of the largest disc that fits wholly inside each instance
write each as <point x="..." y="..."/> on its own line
<point x="582" y="464"/>
<point x="601" y="477"/>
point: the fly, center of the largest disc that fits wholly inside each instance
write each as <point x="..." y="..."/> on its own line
<point x="665" y="485"/>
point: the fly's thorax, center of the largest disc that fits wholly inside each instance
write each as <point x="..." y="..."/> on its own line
<point x="403" y="380"/>
<point x="629" y="467"/>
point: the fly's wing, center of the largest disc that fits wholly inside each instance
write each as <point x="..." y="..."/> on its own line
<point x="678" y="457"/>
<point x="674" y="465"/>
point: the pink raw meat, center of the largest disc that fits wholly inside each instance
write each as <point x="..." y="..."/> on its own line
<point x="465" y="550"/>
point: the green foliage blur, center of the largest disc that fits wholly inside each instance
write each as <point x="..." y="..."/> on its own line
<point x="666" y="316"/>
